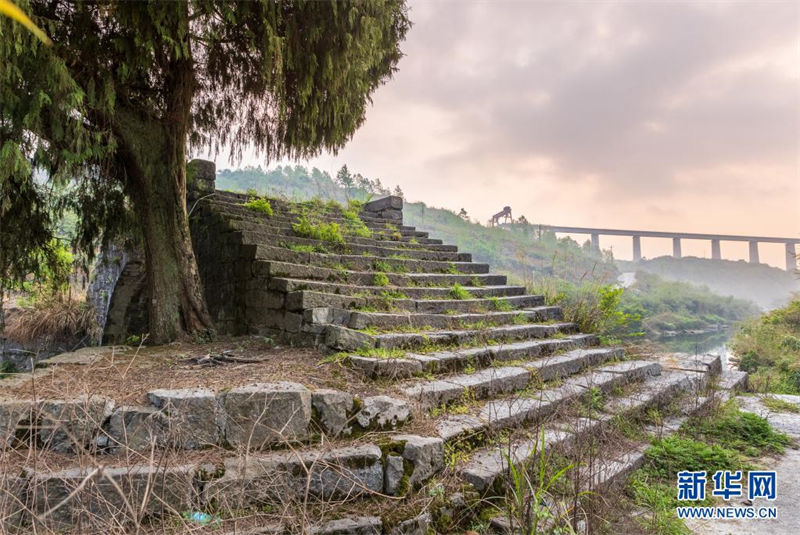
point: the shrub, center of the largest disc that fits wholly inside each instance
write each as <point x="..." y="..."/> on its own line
<point x="380" y="279"/>
<point x="327" y="232"/>
<point x="260" y="205"/>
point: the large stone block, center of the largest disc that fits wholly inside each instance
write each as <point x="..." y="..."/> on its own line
<point x="361" y="525"/>
<point x="288" y="476"/>
<point x="426" y="455"/>
<point x="392" y="202"/>
<point x="12" y="413"/>
<point x="331" y="409"/>
<point x="137" y="428"/>
<point x="265" y="414"/>
<point x="382" y="412"/>
<point x="93" y="502"/>
<point x="72" y="425"/>
<point x="193" y="415"/>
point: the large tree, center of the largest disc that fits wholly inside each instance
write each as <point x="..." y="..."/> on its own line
<point x="108" y="112"/>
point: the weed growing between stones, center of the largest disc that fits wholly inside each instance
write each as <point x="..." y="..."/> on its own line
<point x="776" y="404"/>
<point x="459" y="293"/>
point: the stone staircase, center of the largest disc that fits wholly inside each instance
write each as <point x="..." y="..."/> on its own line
<point x="464" y="374"/>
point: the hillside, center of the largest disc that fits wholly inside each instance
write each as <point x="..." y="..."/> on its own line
<point x="517" y="250"/>
<point x="766" y="286"/>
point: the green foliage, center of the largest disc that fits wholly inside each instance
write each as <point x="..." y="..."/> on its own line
<point x="380" y="279"/>
<point x="459" y="292"/>
<point x="779" y="405"/>
<point x="260" y="205"/>
<point x="594" y="307"/>
<point x="659" y="499"/>
<point x="7" y="368"/>
<point x="530" y="489"/>
<point x="767" y="348"/>
<point x="670" y="455"/>
<point x="679" y="306"/>
<point x="327" y="232"/>
<point x="739" y="431"/>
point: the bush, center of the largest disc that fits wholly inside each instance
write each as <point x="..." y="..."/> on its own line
<point x="327" y="232"/>
<point x="380" y="279"/>
<point x="259" y="205"/>
<point x="769" y="348"/>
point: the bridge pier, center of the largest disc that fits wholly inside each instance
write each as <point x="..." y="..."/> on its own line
<point x="676" y="247"/>
<point x="791" y="257"/>
<point x="754" y="252"/>
<point x="596" y="241"/>
<point x="716" y="250"/>
<point x="637" y="248"/>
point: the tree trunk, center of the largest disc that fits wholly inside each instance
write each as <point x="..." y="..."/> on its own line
<point x="176" y="300"/>
<point x="153" y="153"/>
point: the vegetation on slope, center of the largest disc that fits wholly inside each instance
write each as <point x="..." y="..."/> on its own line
<point x="651" y="306"/>
<point x="769" y="348"/>
<point x="670" y="306"/>
<point x="767" y="286"/>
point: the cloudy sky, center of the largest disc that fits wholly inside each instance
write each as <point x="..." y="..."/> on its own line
<point x="651" y="115"/>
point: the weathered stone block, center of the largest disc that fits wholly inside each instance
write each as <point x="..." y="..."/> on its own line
<point x="415" y="526"/>
<point x="381" y="412"/>
<point x="137" y="428"/>
<point x="362" y="525"/>
<point x="286" y="476"/>
<point x="12" y="412"/>
<point x="393" y="475"/>
<point x="331" y="408"/>
<point x="374" y="367"/>
<point x="193" y="415"/>
<point x="72" y="425"/>
<point x="347" y="339"/>
<point x="263" y="414"/>
<point x="154" y="490"/>
<point x="426" y="455"/>
<point x="378" y="205"/>
<point x="292" y="322"/>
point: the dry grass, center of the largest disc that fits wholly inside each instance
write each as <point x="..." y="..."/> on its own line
<point x="53" y="318"/>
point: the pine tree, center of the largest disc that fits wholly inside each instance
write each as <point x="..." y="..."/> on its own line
<point x="109" y="110"/>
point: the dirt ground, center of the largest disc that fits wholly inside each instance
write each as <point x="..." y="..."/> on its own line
<point x="127" y="374"/>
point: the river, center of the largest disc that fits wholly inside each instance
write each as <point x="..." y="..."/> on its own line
<point x="699" y="344"/>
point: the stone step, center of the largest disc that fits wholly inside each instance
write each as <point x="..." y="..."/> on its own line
<point x="286" y="219"/>
<point x="250" y="234"/>
<point x="85" y="496"/>
<point x="381" y="320"/>
<point x="488" y="465"/>
<point x="354" y="244"/>
<point x="478" y="357"/>
<point x="490" y="382"/>
<point x="350" y="339"/>
<point x="361" y="296"/>
<point x="286" y="211"/>
<point x="535" y="406"/>
<point x="312" y="260"/>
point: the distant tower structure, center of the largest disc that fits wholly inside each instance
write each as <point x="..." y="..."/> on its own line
<point x="505" y="214"/>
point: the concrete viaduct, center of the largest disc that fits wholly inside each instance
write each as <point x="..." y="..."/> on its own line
<point x="715" y="239"/>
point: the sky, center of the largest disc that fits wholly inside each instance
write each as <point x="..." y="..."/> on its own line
<point x="649" y="115"/>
